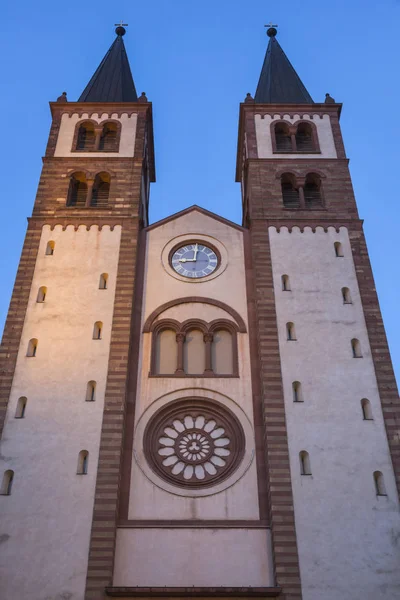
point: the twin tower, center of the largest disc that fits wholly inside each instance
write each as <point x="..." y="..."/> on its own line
<point x="193" y="408"/>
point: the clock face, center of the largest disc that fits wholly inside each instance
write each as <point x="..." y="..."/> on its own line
<point x="194" y="260"/>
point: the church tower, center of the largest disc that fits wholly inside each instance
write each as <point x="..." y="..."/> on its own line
<point x="194" y="408"/>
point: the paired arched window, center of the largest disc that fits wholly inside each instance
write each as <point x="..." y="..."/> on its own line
<point x="290" y="332"/>
<point x="297" y="391"/>
<point x="41" y="297"/>
<point x="366" y="410"/>
<point x="21" y="407"/>
<point x="97" y="137"/>
<point x="7" y="482"/>
<point x="32" y="347"/>
<point x="285" y="283"/>
<point x="91" y="391"/>
<point x="84" y="192"/>
<point x="305" y="465"/>
<point x="305" y="194"/>
<point x="356" y="348"/>
<point x="379" y="484"/>
<point x="103" y="281"/>
<point x="97" y="330"/>
<point x="194" y="349"/>
<point x="296" y="137"/>
<point x="83" y="462"/>
<point x="50" y="248"/>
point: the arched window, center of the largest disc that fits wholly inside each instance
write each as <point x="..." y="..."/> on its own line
<point x="338" y="249"/>
<point x="109" y="138"/>
<point x="6" y="483"/>
<point x="194" y="355"/>
<point x="312" y="191"/>
<point x="356" y="348"/>
<point x="101" y="190"/>
<point x="290" y="193"/>
<point x="91" y="391"/>
<point x="379" y="484"/>
<point x="78" y="190"/>
<point x="305" y="466"/>
<point x="291" y="333"/>
<point x="50" y="248"/>
<point x="366" y="410"/>
<point x="222" y="352"/>
<point x="98" y="326"/>
<point x="41" y="297"/>
<point x="346" y="296"/>
<point x="32" y="347"/>
<point x="166" y="352"/>
<point x="282" y="138"/>
<point x="304" y="138"/>
<point x="103" y="281"/>
<point x="297" y="392"/>
<point x="83" y="462"/>
<point x="21" y="407"/>
<point x="286" y="283"/>
<point x="86" y="137"/>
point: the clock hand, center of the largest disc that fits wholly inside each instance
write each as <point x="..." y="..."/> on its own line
<point x="196" y="249"/>
<point x="187" y="260"/>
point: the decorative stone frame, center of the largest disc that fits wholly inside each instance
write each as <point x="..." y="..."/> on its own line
<point x="292" y="132"/>
<point x="300" y="181"/>
<point x="98" y="130"/>
<point x="90" y="179"/>
<point x="181" y="329"/>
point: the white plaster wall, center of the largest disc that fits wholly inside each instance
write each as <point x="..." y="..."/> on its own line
<point x="193" y="557"/>
<point x="67" y="130"/>
<point x="348" y="538"/>
<point x="324" y="129"/>
<point x="45" y="523"/>
<point x="240" y="501"/>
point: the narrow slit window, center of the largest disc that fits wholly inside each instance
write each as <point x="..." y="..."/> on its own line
<point x="305" y="466"/>
<point x="356" y="348"/>
<point x="50" y="248"/>
<point x="346" y="296"/>
<point x="41" y="297"/>
<point x="338" y="249"/>
<point x="6" y="483"/>
<point x="379" y="484"/>
<point x="32" y="347"/>
<point x="366" y="410"/>
<point x="103" y="281"/>
<point x="297" y="392"/>
<point x="83" y="462"/>
<point x="290" y="331"/>
<point x="286" y="283"/>
<point x="21" y="407"/>
<point x="91" y="391"/>
<point x="97" y="329"/>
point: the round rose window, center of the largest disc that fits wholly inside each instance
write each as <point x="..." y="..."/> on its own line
<point x="194" y="443"/>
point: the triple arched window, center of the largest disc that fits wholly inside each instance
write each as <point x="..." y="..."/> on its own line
<point x="85" y="191"/>
<point x="194" y="348"/>
<point x="97" y="137"/>
<point x="305" y="193"/>
<point x="294" y="137"/>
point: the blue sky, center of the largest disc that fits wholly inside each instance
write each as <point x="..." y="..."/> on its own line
<point x="196" y="61"/>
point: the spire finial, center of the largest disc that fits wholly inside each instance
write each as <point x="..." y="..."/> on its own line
<point x="271" y="31"/>
<point x="121" y="28"/>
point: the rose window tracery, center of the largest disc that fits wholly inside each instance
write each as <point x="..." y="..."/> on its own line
<point x="193" y="445"/>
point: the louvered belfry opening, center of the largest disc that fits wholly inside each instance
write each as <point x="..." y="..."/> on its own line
<point x="290" y="193"/>
<point x="77" y="190"/>
<point x="86" y="137"/>
<point x="304" y="138"/>
<point x="109" y="138"/>
<point x="282" y="138"/>
<point x="101" y="190"/>
<point x="312" y="191"/>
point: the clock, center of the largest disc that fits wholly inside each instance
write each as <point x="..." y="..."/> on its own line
<point x="194" y="260"/>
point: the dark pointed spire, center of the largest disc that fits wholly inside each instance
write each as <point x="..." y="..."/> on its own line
<point x="112" y="81"/>
<point x="279" y="82"/>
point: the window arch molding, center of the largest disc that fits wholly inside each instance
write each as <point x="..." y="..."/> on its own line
<point x="92" y="123"/>
<point x="181" y="331"/>
<point x="283" y="124"/>
<point x="86" y="197"/>
<point x="147" y="328"/>
<point x="292" y="129"/>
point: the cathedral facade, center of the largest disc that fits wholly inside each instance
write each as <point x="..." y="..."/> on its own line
<point x="194" y="408"/>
